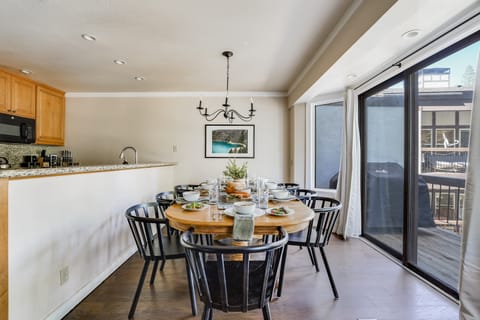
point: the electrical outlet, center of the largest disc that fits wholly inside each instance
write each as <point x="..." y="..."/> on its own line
<point x="63" y="275"/>
<point x="174" y="148"/>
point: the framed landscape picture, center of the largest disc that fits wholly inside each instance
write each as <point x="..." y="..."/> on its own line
<point x="229" y="141"/>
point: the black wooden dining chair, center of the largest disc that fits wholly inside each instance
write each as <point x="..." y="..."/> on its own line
<point x="165" y="199"/>
<point x="305" y="196"/>
<point x="154" y="243"/>
<point x="181" y="188"/>
<point x="234" y="278"/>
<point x="317" y="235"/>
<point x="166" y="196"/>
<point x="291" y="187"/>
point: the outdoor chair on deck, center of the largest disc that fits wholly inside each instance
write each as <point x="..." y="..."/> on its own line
<point x="317" y="235"/>
<point x="234" y="278"/>
<point x="155" y="243"/>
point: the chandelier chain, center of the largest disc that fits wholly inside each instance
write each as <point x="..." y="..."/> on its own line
<point x="228" y="113"/>
<point x="228" y="72"/>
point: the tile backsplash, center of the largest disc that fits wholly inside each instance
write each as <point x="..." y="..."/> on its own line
<point x="15" y="152"/>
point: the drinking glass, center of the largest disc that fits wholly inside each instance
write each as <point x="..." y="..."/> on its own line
<point x="221" y="201"/>
<point x="221" y="182"/>
<point x="260" y="186"/>
<point x="263" y="200"/>
<point x="213" y="194"/>
<point x="217" y="214"/>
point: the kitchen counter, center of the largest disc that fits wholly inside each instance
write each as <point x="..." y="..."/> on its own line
<point x="39" y="172"/>
<point x="67" y="219"/>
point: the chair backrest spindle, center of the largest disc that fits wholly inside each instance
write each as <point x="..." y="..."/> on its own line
<point x="327" y="211"/>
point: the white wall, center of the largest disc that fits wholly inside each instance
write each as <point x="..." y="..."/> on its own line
<point x="98" y="128"/>
<point x="52" y="226"/>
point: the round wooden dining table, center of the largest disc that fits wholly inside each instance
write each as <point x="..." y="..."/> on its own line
<point x="209" y="221"/>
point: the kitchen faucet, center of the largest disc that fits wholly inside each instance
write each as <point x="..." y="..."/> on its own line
<point x="122" y="155"/>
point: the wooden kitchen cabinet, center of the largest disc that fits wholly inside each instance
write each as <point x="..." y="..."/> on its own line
<point x="5" y="82"/>
<point x="17" y="95"/>
<point x="23" y="97"/>
<point x="50" y="124"/>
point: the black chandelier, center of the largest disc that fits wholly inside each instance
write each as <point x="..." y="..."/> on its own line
<point x="229" y="114"/>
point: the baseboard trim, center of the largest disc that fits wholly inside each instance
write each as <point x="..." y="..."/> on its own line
<point x="74" y="300"/>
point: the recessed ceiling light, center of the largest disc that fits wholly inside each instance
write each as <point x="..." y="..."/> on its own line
<point x="26" y="71"/>
<point x="89" y="37"/>
<point x="117" y="61"/>
<point x="351" y="76"/>
<point x="411" y="34"/>
<point x="139" y="78"/>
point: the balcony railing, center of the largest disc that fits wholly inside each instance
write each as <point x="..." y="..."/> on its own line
<point x="446" y="191"/>
<point x="450" y="160"/>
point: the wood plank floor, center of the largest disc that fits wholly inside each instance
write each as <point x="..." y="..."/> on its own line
<point x="438" y="252"/>
<point x="370" y="285"/>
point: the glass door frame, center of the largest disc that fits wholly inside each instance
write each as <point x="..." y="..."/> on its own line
<point x="363" y="145"/>
<point x="411" y="158"/>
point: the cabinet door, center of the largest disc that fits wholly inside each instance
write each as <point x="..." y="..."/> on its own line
<point x="50" y="116"/>
<point x="23" y="97"/>
<point x="4" y="92"/>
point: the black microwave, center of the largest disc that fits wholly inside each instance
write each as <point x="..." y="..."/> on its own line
<point x="15" y="129"/>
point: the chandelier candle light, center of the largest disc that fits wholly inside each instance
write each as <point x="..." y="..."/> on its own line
<point x="229" y="114"/>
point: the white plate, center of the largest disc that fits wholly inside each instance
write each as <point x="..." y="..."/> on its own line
<point x="290" y="198"/>
<point x="204" y="206"/>
<point x="231" y="212"/>
<point x="288" y="210"/>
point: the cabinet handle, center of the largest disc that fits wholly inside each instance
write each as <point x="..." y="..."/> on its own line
<point x="14" y="111"/>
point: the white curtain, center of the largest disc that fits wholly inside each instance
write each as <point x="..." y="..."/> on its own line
<point x="470" y="260"/>
<point x="348" y="187"/>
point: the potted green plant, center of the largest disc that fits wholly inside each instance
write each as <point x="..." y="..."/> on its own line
<point x="237" y="172"/>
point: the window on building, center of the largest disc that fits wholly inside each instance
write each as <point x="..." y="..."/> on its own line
<point x="427" y="138"/>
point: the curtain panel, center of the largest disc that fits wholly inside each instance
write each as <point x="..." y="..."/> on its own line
<point x="348" y="185"/>
<point x="469" y="290"/>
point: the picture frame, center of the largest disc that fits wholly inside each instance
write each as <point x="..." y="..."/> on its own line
<point x="229" y="141"/>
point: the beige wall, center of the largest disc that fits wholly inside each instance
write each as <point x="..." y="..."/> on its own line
<point x="298" y="114"/>
<point x="98" y="128"/>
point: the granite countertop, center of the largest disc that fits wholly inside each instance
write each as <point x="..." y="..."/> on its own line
<point x="38" y="172"/>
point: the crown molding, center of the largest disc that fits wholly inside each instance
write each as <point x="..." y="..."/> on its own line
<point x="176" y="94"/>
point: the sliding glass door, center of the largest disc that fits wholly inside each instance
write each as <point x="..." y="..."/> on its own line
<point x="443" y="107"/>
<point x="415" y="131"/>
<point x="384" y="111"/>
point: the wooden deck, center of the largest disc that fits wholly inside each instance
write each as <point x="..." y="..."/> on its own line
<point x="438" y="252"/>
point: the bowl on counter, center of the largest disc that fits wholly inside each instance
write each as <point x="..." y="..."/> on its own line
<point x="4" y="163"/>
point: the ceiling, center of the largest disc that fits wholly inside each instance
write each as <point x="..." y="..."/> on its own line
<point x="177" y="45"/>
